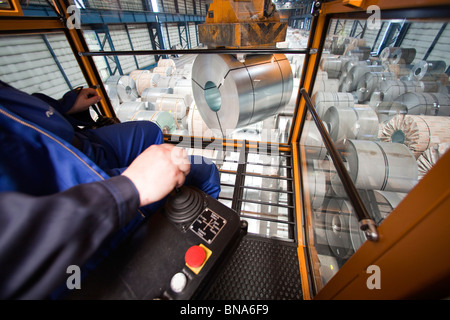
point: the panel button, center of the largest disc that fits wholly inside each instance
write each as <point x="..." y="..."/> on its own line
<point x="178" y="282"/>
<point x="195" y="256"/>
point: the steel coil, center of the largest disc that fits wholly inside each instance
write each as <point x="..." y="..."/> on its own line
<point x="397" y="55"/>
<point x="430" y="156"/>
<point x="230" y="94"/>
<point x="126" y="110"/>
<point x="167" y="63"/>
<point x="423" y="68"/>
<point x="324" y="100"/>
<point x="350" y="83"/>
<point x="433" y="104"/>
<point x="125" y="87"/>
<point x="165" y="121"/>
<point x="370" y="83"/>
<point x="172" y="103"/>
<point x="144" y="79"/>
<point x="357" y="122"/>
<point x="164" y="71"/>
<point x="313" y="142"/>
<point x="386" y="110"/>
<point x="337" y="229"/>
<point x="316" y="185"/>
<point x="152" y="94"/>
<point x="392" y="89"/>
<point x="378" y="166"/>
<point x="196" y="126"/>
<point x="418" y="133"/>
<point x="168" y="82"/>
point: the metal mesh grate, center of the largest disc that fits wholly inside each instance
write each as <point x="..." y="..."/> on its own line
<point x="260" y="269"/>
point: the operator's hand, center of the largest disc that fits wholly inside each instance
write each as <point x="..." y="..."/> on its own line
<point x="86" y="98"/>
<point x="157" y="171"/>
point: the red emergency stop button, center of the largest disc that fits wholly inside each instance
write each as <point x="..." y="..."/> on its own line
<point x="195" y="256"/>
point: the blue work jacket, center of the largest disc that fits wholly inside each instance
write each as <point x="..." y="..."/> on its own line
<point x="57" y="207"/>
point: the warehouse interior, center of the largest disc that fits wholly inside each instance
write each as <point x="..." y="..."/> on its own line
<point x="381" y="93"/>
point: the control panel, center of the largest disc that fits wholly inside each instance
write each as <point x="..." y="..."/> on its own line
<point x="176" y="254"/>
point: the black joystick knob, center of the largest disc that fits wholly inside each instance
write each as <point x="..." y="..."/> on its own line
<point x="183" y="205"/>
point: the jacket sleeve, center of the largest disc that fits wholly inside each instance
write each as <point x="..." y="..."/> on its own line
<point x="41" y="236"/>
<point x="62" y="105"/>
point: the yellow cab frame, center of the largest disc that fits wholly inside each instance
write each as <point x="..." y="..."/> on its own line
<point x="411" y="251"/>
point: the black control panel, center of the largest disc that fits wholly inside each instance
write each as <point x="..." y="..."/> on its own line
<point x="176" y="254"/>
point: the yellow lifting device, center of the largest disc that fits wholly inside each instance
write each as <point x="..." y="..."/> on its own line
<point x="242" y="24"/>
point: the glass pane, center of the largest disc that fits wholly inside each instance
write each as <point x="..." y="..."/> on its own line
<point x="41" y="63"/>
<point x="383" y="96"/>
<point x="206" y="95"/>
<point x="203" y="96"/>
<point x="249" y="97"/>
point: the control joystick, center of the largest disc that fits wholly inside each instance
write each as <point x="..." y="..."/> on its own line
<point x="183" y="205"/>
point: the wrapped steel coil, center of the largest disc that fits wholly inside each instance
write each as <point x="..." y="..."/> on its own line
<point x="397" y="55"/>
<point x="350" y="83"/>
<point x="187" y="91"/>
<point x="144" y="79"/>
<point x="348" y="66"/>
<point x="183" y="83"/>
<point x="378" y="166"/>
<point x="337" y="226"/>
<point x="392" y="89"/>
<point x="152" y="94"/>
<point x="163" y="71"/>
<point x="370" y="83"/>
<point x="230" y="94"/>
<point x="418" y="133"/>
<point x="316" y="186"/>
<point x="357" y="122"/>
<point x="126" y="110"/>
<point x="165" y="121"/>
<point x="434" y="104"/>
<point x="386" y="110"/>
<point x="423" y="68"/>
<point x="430" y="156"/>
<point x="362" y="53"/>
<point x="332" y="66"/>
<point x="196" y="126"/>
<point x="324" y="100"/>
<point x="313" y="142"/>
<point x="167" y="63"/>
<point x="125" y="87"/>
<point x="171" y="103"/>
<point x="329" y="85"/>
<point x="168" y="82"/>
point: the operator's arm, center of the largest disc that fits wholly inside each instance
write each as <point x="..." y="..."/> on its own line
<point x="74" y="101"/>
<point x="41" y="236"/>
